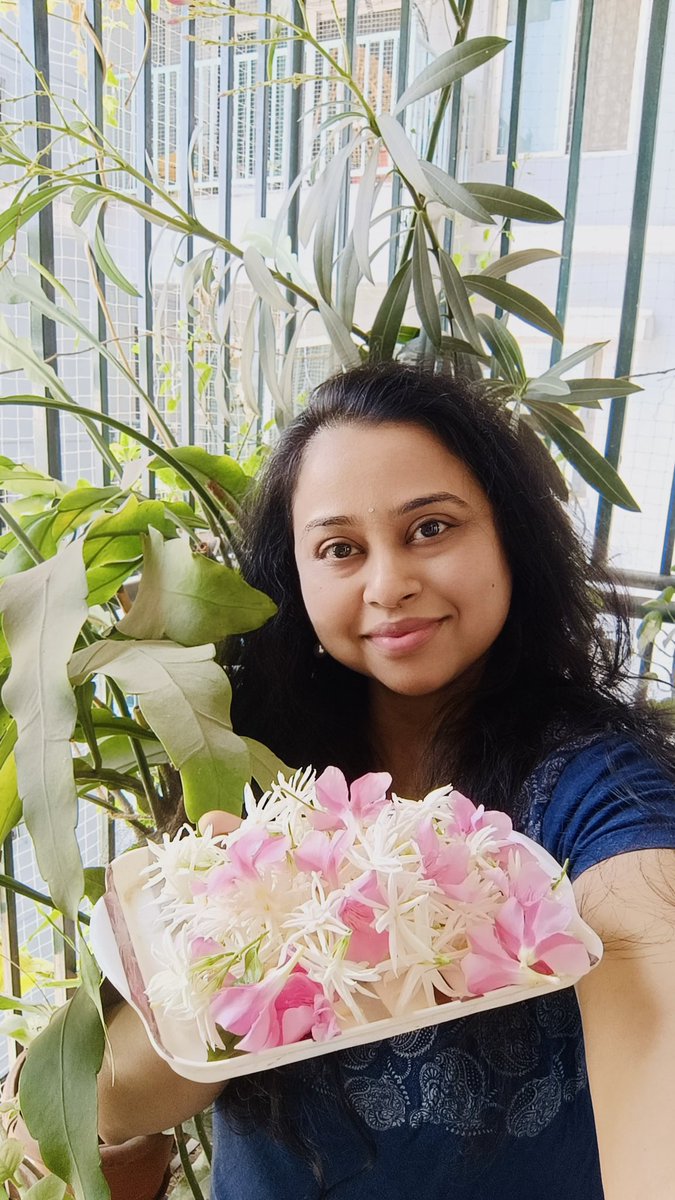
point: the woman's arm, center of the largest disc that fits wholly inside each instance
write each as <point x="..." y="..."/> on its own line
<point x="137" y="1091"/>
<point x="628" y="1012"/>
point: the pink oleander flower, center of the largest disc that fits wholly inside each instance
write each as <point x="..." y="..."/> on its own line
<point x="324" y="854"/>
<point x="447" y="865"/>
<point x="342" y="805"/>
<point x="365" y="944"/>
<point x="520" y="940"/>
<point x="468" y="818"/>
<point x="249" y="854"/>
<point x="284" y="1007"/>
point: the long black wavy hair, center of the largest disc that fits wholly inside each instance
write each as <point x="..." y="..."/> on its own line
<point x="559" y="668"/>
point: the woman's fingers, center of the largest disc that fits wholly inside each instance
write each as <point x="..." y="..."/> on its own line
<point x="220" y="822"/>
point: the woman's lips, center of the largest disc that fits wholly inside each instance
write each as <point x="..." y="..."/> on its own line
<point x="405" y="637"/>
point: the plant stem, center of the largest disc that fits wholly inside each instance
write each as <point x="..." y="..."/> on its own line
<point x="20" y="535"/>
<point x="190" y="1176"/>
<point x="22" y="889"/>
<point x="203" y="1136"/>
<point x="148" y="782"/>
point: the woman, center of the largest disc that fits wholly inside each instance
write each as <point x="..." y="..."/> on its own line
<point x="435" y="620"/>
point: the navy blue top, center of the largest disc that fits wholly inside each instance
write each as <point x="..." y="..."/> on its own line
<point x="494" y="1106"/>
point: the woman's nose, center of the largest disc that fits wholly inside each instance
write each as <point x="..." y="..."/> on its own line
<point x="388" y="582"/>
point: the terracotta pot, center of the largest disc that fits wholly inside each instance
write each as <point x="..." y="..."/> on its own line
<point x="134" y="1170"/>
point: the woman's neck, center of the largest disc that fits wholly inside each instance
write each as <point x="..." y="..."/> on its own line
<point x="403" y="728"/>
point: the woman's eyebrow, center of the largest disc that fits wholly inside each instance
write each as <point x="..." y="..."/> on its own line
<point x="409" y="506"/>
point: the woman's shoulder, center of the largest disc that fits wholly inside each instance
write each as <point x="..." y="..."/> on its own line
<point x="594" y="795"/>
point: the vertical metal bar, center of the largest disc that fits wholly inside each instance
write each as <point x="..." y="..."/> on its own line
<point x="401" y="81"/>
<point x="95" y="91"/>
<point x="669" y="535"/>
<point x="226" y="170"/>
<point x="186" y="128"/>
<point x="34" y="35"/>
<point x="262" y="156"/>
<point x="144" y="155"/>
<point x="573" y="170"/>
<point x="636" y="248"/>
<point x="514" y="114"/>
<point x="9" y="932"/>
<point x="350" y="44"/>
<point x="294" y="159"/>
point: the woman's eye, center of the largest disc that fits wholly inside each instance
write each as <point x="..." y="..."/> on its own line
<point x="430" y="528"/>
<point x="339" y="550"/>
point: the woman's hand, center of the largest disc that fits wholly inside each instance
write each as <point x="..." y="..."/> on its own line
<point x="220" y="822"/>
<point x="628" y="1012"/>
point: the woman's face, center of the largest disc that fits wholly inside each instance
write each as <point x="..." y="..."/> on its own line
<point x="402" y="572"/>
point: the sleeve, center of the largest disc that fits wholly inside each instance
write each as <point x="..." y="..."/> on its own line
<point x="610" y="798"/>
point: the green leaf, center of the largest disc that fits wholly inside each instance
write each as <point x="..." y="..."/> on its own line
<point x="26" y="207"/>
<point x="503" y="346"/>
<point x="572" y="360"/>
<point x="57" y="1093"/>
<point x="517" y="301"/>
<point x="10" y="804"/>
<point x="389" y="315"/>
<point x="457" y="299"/>
<point x="591" y="465"/>
<point x="108" y="266"/>
<point x="117" y="755"/>
<point x="248" y="346"/>
<point x="562" y="414"/>
<point x="49" y="1188"/>
<point x="267" y="350"/>
<point x="265" y="766"/>
<point x="451" y="66"/>
<point x="588" y="391"/>
<point x="28" y="481"/>
<point x="191" y="599"/>
<point x="17" y="354"/>
<point x="94" y="883"/>
<point x="403" y="153"/>
<point x="221" y="474"/>
<point x="453" y="195"/>
<point x="39" y="528"/>
<point x="365" y="198"/>
<point x="263" y="281"/>
<point x="43" y="612"/>
<point x="185" y="697"/>
<point x="77" y="507"/>
<point x="423" y="286"/>
<point x="514" y="262"/>
<point x="339" y="335"/>
<point x="510" y="202"/>
<point x="348" y="279"/>
<point x="84" y="202"/>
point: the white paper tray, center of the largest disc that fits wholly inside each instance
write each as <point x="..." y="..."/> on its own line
<point x="125" y="921"/>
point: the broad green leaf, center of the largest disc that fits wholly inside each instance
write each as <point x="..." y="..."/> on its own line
<point x="10" y="804"/>
<point x="572" y="360"/>
<point x="365" y="198"/>
<point x="587" y="391"/>
<point x="403" y="153"/>
<point x="453" y="195"/>
<point x="591" y="465"/>
<point x="263" y="281"/>
<point x="78" y="507"/>
<point x="105" y="581"/>
<point x="49" y="1188"/>
<point x="28" y="481"/>
<point x="457" y="299"/>
<point x="339" y="335"/>
<point x="514" y="262"/>
<point x="517" y="301"/>
<point x="90" y="977"/>
<point x="57" y="1093"/>
<point x="221" y="474"/>
<point x="265" y="766"/>
<point x="191" y="599"/>
<point x="107" y="724"/>
<point x="451" y="66"/>
<point x="26" y="207"/>
<point x="11" y="1156"/>
<point x="510" y="202"/>
<point x="94" y="883"/>
<point x="389" y="315"/>
<point x="503" y="346"/>
<point x="185" y="698"/>
<point x="117" y="754"/>
<point x="108" y="266"/>
<point x="43" y="612"/>
<point x="423" y="286"/>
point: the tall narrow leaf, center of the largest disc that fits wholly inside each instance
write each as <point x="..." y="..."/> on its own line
<point x="451" y="66"/>
<point x="263" y="281"/>
<point x="514" y="262"/>
<point x="511" y="202"/>
<point x="454" y="195"/>
<point x="43" y="611"/>
<point x="504" y="348"/>
<point x="423" y="286"/>
<point x="339" y="335"/>
<point x="389" y="315"/>
<point x="403" y="153"/>
<point x="365" y="198"/>
<point x="591" y="465"/>
<point x="459" y="306"/>
<point x="109" y="266"/>
<point x="517" y="301"/>
<point x="57" y="1093"/>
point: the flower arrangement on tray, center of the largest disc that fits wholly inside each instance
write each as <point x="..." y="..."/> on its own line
<point x="332" y="908"/>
